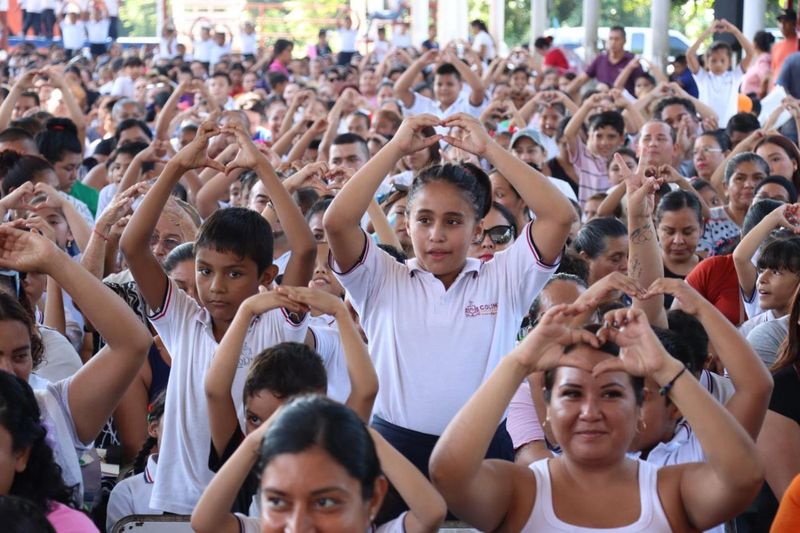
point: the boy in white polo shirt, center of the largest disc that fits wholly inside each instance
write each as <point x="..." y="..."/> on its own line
<point x="450" y="75"/>
<point x="234" y="259"/>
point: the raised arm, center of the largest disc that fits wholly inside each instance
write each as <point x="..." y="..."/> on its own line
<point x="691" y="54"/>
<point x="219" y="377"/>
<point x="482" y="492"/>
<point x="575" y="85"/>
<point x="363" y="378"/>
<point x="554" y="214"/>
<point x="93" y="258"/>
<point x="318" y="128"/>
<point x="625" y="73"/>
<point x="644" y="255"/>
<point x="24" y="82"/>
<point x="575" y="124"/>
<point x="751" y="379"/>
<point x="170" y="109"/>
<point x="426" y="507"/>
<point x="78" y="227"/>
<point x="747" y="45"/>
<point x="746" y="272"/>
<point x="713" y="491"/>
<point x="56" y="75"/>
<point x="342" y="220"/>
<point x="467" y="76"/>
<point x="402" y="88"/>
<point x="96" y="388"/>
<point x="213" y="512"/>
<point x="301" y="241"/>
<point x="135" y="242"/>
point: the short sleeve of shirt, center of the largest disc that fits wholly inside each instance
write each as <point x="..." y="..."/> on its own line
<point x="766" y="339"/>
<point x="365" y="280"/>
<point x="174" y="317"/>
<point x="422" y="104"/>
<point x="786" y="395"/>
<point x="248" y="524"/>
<point x="523" y="422"/>
<point x="522" y="271"/>
<point x="60" y="390"/>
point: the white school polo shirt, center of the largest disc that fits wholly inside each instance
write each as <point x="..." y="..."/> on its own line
<point x="423" y="104"/>
<point x="186" y="330"/>
<point x="431" y="347"/>
<point x="328" y="345"/>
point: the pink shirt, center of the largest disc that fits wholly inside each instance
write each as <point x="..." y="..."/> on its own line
<point x="758" y="70"/>
<point x="67" y="520"/>
<point x="522" y="423"/>
<point x="277" y="66"/>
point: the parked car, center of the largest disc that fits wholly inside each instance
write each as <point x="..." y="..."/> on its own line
<point x="639" y="40"/>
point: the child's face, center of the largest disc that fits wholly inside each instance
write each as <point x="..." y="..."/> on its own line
<point x="549" y="118"/>
<point x="642" y="86"/>
<point x="590" y="209"/>
<point x="118" y="167"/>
<point x="603" y="141"/>
<point x="323" y="279"/>
<point x="219" y="88"/>
<point x="719" y="61"/>
<point x="225" y="280"/>
<point x="258" y="408"/>
<point x="775" y="288"/>
<point x="615" y="171"/>
<point x="442" y="226"/>
<point x="446" y="88"/>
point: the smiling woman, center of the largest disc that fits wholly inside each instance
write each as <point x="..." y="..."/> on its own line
<point x="594" y="395"/>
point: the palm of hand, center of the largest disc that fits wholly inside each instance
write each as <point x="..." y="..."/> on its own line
<point x="24" y="251"/>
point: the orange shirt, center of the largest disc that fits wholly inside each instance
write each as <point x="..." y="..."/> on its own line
<point x="779" y="52"/>
<point x="788" y="518"/>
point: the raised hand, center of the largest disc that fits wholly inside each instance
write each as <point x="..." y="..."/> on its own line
<point x="473" y="137"/>
<point x="409" y="138"/>
<point x="53" y="197"/>
<point x="315" y="300"/>
<point x="25" y="251"/>
<point x="19" y="197"/>
<point x="691" y="301"/>
<point x="543" y="347"/>
<point x="195" y="154"/>
<point x="641" y="353"/>
<point x="604" y="288"/>
<point x="249" y="155"/>
<point x="266" y="301"/>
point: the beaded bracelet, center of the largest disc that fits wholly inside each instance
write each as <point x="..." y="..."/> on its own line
<point x="663" y="391"/>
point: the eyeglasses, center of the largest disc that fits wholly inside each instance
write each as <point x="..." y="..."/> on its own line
<point x="707" y="150"/>
<point x="168" y="243"/>
<point x="499" y="234"/>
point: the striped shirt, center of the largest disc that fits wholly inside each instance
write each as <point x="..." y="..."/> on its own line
<point x="592" y="172"/>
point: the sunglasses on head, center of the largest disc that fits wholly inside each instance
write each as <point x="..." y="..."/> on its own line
<point x="499" y="234"/>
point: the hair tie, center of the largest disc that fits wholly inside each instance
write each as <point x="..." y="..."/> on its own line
<point x="57" y="127"/>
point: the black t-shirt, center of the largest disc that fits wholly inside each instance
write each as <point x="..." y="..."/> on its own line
<point x="250" y="486"/>
<point x="785" y="401"/>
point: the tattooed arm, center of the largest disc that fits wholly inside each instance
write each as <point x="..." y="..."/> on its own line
<point x="644" y="255"/>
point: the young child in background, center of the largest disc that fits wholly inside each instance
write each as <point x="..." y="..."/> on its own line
<point x="717" y="84"/>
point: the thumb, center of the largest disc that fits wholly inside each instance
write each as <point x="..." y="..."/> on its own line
<point x="216" y="165"/>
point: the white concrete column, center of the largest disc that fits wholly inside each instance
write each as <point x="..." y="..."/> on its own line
<point x="452" y="21"/>
<point x="161" y="16"/>
<point x="659" y="21"/>
<point x="539" y="19"/>
<point x="591" y="17"/>
<point x="420" y="20"/>
<point x="753" y="17"/>
<point x="497" y="22"/>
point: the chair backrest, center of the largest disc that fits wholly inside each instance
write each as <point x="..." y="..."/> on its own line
<point x="154" y="524"/>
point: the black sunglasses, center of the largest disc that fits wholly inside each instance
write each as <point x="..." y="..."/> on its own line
<point x="499" y="234"/>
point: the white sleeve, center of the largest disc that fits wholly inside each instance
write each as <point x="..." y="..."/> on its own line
<point x="394" y="526"/>
<point x="248" y="524"/>
<point x="365" y="280"/>
<point x="422" y="104"/>
<point x="60" y="358"/>
<point x="120" y="503"/>
<point x="174" y="319"/>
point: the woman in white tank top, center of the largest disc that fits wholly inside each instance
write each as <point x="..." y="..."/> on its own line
<point x="593" y="409"/>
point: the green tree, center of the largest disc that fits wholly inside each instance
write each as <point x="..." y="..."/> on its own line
<point x="138" y="18"/>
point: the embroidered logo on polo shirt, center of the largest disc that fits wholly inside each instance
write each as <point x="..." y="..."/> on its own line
<point x="472" y="310"/>
<point x="246" y="357"/>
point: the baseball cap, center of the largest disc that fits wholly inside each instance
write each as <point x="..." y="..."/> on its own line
<point x="790" y="14"/>
<point x="528" y="133"/>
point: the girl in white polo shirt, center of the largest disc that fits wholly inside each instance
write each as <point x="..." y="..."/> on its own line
<point x="439" y="324"/>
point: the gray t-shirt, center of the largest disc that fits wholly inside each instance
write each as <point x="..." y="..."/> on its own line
<point x="766" y="338"/>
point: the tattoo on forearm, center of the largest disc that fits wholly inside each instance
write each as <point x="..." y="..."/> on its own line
<point x="635" y="269"/>
<point x="642" y="235"/>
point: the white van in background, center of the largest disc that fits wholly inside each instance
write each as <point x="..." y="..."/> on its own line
<point x="639" y="41"/>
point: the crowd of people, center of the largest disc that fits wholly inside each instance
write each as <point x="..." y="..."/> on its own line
<point x="377" y="290"/>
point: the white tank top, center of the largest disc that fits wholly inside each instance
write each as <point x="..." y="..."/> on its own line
<point x="543" y="518"/>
